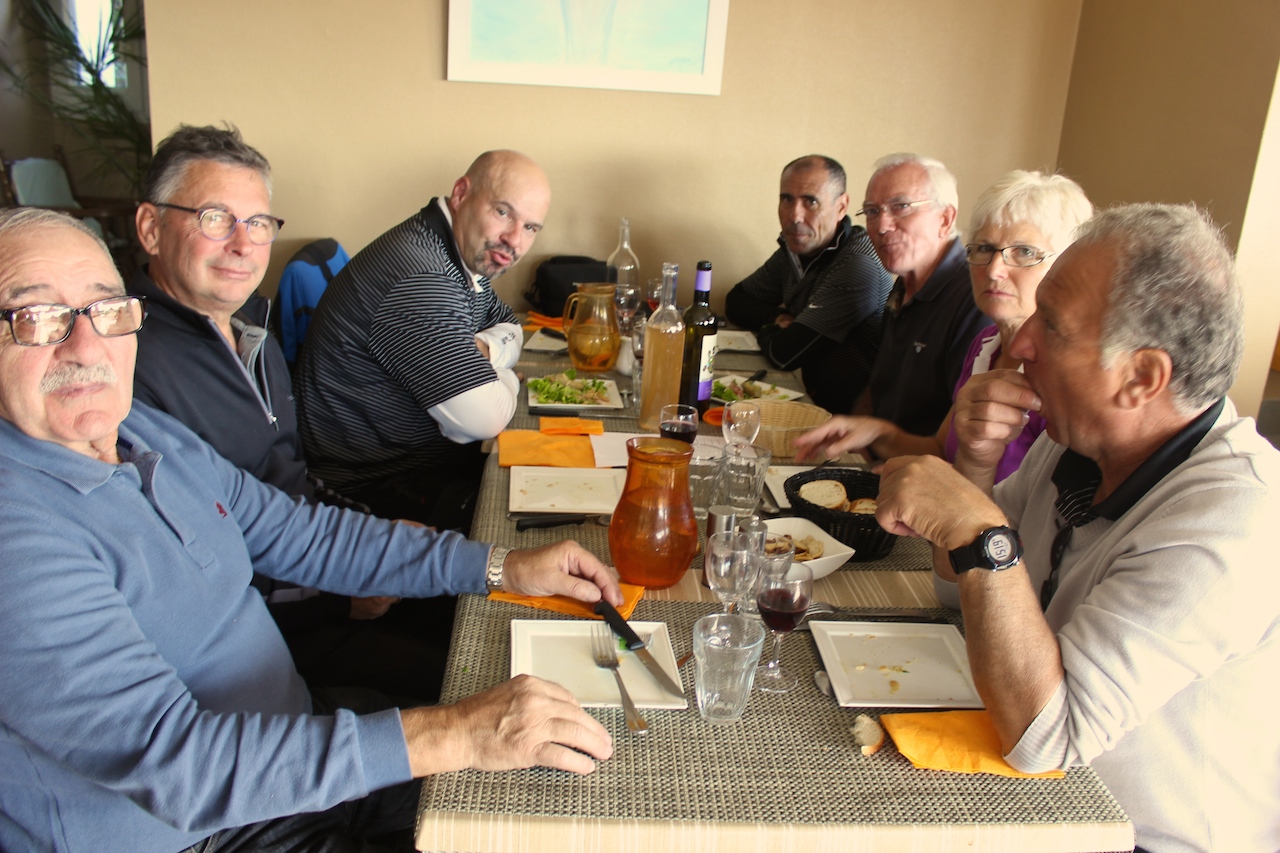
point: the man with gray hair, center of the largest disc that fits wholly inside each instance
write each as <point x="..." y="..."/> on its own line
<point x="1120" y="600"/>
<point x="930" y="318"/>
<point x="150" y="703"/>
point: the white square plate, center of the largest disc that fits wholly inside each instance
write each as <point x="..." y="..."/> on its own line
<point x="612" y="401"/>
<point x="587" y="490"/>
<point x="775" y="393"/>
<point x="896" y="665"/>
<point x="560" y="651"/>
<point x="834" y="552"/>
<point x="737" y="341"/>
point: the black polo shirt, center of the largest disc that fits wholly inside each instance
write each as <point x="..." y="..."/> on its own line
<point x="923" y="348"/>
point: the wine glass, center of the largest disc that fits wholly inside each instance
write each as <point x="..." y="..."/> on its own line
<point x="678" y="421"/>
<point x="741" y="422"/>
<point x="653" y="293"/>
<point x="626" y="301"/>
<point x="785" y="592"/>
<point x="732" y="568"/>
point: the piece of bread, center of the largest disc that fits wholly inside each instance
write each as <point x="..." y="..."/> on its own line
<point x="863" y="505"/>
<point x="867" y="734"/>
<point x="825" y="493"/>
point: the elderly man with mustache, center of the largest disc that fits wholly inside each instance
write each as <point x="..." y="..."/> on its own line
<point x="409" y="360"/>
<point x="816" y="303"/>
<point x="149" y="700"/>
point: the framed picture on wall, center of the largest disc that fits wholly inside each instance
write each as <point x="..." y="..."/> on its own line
<point x="642" y="45"/>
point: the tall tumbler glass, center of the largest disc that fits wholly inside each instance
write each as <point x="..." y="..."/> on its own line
<point x="727" y="649"/>
<point x="705" y="478"/>
<point x="744" y="470"/>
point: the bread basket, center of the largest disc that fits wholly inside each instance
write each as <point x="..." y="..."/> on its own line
<point x="859" y="531"/>
<point x="781" y="422"/>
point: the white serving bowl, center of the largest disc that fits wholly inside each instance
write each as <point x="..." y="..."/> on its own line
<point x="834" y="552"/>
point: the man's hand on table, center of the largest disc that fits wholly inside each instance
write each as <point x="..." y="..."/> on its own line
<point x="840" y="434"/>
<point x="562" y="568"/>
<point x="521" y="723"/>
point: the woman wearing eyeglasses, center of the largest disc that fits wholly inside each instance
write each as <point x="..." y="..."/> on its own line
<point x="1019" y="226"/>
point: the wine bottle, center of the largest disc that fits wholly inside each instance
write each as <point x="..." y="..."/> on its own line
<point x="700" y="328"/>
<point x="623" y="267"/>
<point x="663" y="348"/>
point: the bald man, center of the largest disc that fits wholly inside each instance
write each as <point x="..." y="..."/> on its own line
<point x="409" y="360"/>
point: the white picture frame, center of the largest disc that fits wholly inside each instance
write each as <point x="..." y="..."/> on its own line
<point x="674" y="46"/>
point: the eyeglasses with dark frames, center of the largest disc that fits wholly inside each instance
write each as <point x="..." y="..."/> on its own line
<point x="981" y="254"/>
<point x="45" y="325"/>
<point x="897" y="209"/>
<point x="218" y="224"/>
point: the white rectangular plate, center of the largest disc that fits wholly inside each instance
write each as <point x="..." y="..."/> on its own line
<point x="614" y="401"/>
<point x="778" y="474"/>
<point x="560" y="651"/>
<point x="778" y="393"/>
<point x="737" y="341"/>
<point x="540" y="341"/>
<point x="896" y="665"/>
<point x="589" y="490"/>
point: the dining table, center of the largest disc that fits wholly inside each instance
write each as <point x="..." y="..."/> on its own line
<point x="787" y="777"/>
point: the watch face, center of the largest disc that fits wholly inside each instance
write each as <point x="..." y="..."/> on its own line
<point x="1001" y="548"/>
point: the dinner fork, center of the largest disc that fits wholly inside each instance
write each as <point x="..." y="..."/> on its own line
<point x="606" y="657"/>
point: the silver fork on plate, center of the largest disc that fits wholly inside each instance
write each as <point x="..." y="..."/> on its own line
<point x="606" y="657"/>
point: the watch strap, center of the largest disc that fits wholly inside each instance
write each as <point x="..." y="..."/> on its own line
<point x="493" y="574"/>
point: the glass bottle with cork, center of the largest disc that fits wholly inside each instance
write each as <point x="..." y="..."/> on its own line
<point x="700" y="337"/>
<point x="663" y="354"/>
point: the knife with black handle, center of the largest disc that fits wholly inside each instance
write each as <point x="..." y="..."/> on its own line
<point x="633" y="643"/>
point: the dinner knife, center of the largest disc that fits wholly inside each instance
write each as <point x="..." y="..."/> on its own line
<point x="549" y="520"/>
<point x="758" y="375"/>
<point x="637" y="645"/>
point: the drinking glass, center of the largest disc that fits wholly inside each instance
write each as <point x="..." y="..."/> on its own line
<point x="732" y="567"/>
<point x="678" y="421"/>
<point x="704" y="478"/>
<point x="653" y="293"/>
<point x="727" y="649"/>
<point x="741" y="422"/>
<point x="744" y="469"/>
<point x="626" y="302"/>
<point x="784" y="594"/>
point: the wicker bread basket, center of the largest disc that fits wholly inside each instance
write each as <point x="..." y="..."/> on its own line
<point x="781" y="422"/>
<point x="859" y="531"/>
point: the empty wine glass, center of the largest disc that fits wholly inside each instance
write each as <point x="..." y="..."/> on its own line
<point x="741" y="422"/>
<point x="626" y="301"/>
<point x="732" y="568"/>
<point x="785" y="591"/>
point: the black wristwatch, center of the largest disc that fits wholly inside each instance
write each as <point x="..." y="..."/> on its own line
<point x="996" y="549"/>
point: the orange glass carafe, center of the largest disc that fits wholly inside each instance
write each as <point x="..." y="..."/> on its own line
<point x="591" y="327"/>
<point x="653" y="536"/>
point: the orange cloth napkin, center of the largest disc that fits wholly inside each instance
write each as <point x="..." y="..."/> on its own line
<point x="958" y="741"/>
<point x="570" y="426"/>
<point x="527" y="447"/>
<point x="572" y="606"/>
<point x="535" y="321"/>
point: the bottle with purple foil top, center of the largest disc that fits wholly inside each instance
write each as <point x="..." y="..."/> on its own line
<point x="700" y="336"/>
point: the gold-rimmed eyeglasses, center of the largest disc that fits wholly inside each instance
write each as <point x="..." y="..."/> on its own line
<point x="218" y="224"/>
<point x="44" y="325"/>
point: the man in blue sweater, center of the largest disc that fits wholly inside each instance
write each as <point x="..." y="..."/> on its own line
<point x="150" y="703"/>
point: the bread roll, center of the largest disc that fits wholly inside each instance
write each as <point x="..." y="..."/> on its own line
<point x="825" y="493"/>
<point x="867" y="734"/>
<point x="863" y="505"/>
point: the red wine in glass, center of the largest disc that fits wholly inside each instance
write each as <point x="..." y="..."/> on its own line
<point x="653" y="304"/>
<point x="679" y="430"/>
<point x="781" y="609"/>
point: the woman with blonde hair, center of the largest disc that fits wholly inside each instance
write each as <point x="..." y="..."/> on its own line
<point x="1018" y="228"/>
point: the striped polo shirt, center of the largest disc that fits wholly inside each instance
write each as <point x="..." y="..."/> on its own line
<point x="393" y="336"/>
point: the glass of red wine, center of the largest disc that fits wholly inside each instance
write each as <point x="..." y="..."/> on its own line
<point x="678" y="421"/>
<point x="785" y="592"/>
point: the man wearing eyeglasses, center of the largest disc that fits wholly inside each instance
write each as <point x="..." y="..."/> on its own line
<point x="816" y="303"/>
<point x="149" y="701"/>
<point x="1120" y="594"/>
<point x="930" y="318"/>
<point x="410" y="357"/>
<point x="205" y="358"/>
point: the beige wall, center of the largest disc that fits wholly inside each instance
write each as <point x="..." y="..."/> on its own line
<point x="349" y="102"/>
<point x="1168" y="102"/>
<point x="24" y="131"/>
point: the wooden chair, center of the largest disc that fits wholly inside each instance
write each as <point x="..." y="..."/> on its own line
<point x="42" y="182"/>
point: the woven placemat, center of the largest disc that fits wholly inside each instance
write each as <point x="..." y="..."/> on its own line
<point x="790" y="760"/>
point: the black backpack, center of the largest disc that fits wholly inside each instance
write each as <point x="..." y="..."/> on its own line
<point x="557" y="277"/>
